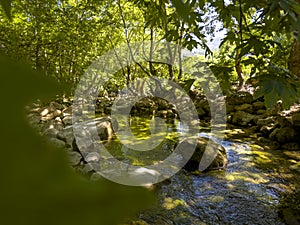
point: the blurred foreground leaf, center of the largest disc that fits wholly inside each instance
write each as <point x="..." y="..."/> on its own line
<point x="37" y="185"/>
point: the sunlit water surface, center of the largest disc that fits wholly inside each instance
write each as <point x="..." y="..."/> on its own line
<point x="248" y="191"/>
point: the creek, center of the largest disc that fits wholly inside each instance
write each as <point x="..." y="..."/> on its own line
<point x="259" y="185"/>
<point x="248" y="191"/>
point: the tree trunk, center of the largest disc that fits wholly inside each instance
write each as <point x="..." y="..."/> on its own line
<point x="238" y="70"/>
<point x="152" y="69"/>
<point x="294" y="61"/>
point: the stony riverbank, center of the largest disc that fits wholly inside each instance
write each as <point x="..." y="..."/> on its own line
<point x="273" y="130"/>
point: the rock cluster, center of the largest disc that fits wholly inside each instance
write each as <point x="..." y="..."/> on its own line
<point x="54" y="121"/>
<point x="274" y="128"/>
<point x="146" y="107"/>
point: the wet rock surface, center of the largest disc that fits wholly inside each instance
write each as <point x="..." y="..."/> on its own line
<point x="249" y="191"/>
<point x="219" y="161"/>
<point x="274" y="128"/>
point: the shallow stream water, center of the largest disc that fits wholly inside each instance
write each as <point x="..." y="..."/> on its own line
<point x="248" y="191"/>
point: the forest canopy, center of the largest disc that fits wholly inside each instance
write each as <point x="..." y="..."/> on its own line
<point x="260" y="45"/>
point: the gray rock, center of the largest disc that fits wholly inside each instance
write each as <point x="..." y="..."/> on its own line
<point x="258" y="105"/>
<point x="50" y="132"/>
<point x="67" y="120"/>
<point x="242" y="118"/>
<point x="267" y="143"/>
<point x="296" y="167"/>
<point x="266" y="130"/>
<point x="44" y="111"/>
<point x="87" y="169"/>
<point x="50" y="115"/>
<point x="92" y="157"/>
<point x="58" y="119"/>
<point x="67" y="111"/>
<point x="269" y="121"/>
<point x="66" y="135"/>
<point x="283" y="121"/>
<point x="244" y="107"/>
<point x="74" y="157"/>
<point x="296" y="119"/>
<point x="34" y="119"/>
<point x="260" y="111"/>
<point x="219" y="162"/>
<point x="229" y="108"/>
<point x="33" y="109"/>
<point x="56" y="105"/>
<point x="293" y="146"/>
<point x="284" y="135"/>
<point x="240" y="98"/>
<point x="95" y="177"/>
<point x="105" y="130"/>
<point x="57" y="143"/>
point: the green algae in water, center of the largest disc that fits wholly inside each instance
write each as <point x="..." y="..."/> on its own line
<point x="140" y="128"/>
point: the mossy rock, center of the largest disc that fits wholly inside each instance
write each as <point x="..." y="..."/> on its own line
<point x="219" y="161"/>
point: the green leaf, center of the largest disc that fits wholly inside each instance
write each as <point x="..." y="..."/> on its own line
<point x="284" y="5"/>
<point x="258" y="93"/>
<point x="275" y="88"/>
<point x="245" y="49"/>
<point x="187" y="84"/>
<point x="6" y="5"/>
<point x="182" y="9"/>
<point x="271" y="99"/>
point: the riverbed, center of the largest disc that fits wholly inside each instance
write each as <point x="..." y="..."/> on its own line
<point x="250" y="190"/>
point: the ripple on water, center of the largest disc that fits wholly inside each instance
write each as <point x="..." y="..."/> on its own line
<point x="243" y="194"/>
<point x="247" y="192"/>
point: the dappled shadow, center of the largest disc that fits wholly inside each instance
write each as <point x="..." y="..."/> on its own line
<point x="248" y="192"/>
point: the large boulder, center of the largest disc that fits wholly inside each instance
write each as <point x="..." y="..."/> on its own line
<point x="219" y="161"/>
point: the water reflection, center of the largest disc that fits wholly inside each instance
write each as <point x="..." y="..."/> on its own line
<point x="247" y="192"/>
<point x="142" y="129"/>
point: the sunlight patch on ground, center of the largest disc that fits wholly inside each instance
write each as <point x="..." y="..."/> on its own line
<point x="170" y="203"/>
